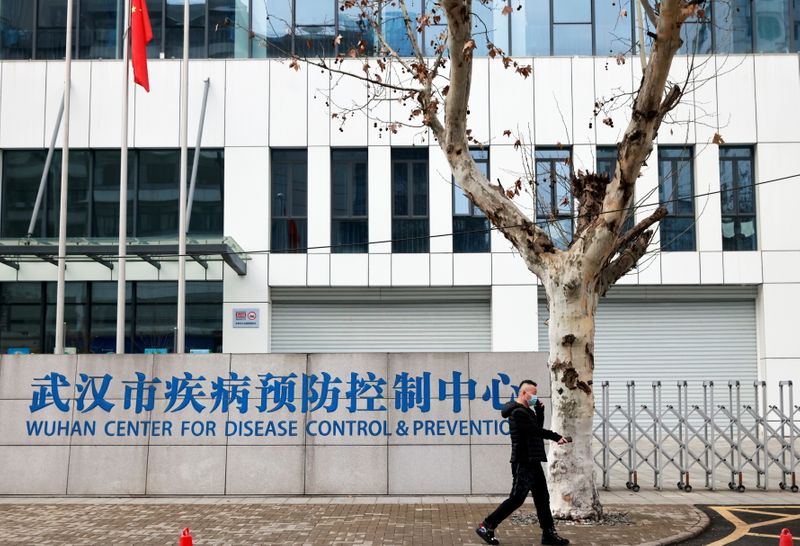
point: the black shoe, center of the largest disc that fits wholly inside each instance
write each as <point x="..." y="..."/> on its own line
<point x="486" y="534"/>
<point x="551" y="537"/>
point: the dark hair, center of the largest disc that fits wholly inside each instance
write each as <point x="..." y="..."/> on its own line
<point x="527" y="382"/>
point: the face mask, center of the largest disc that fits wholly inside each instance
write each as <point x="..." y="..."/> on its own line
<point x="532" y="400"/>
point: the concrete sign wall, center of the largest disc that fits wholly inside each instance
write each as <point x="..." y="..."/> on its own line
<point x="404" y="423"/>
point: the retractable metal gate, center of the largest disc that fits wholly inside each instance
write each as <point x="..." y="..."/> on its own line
<point x="725" y="434"/>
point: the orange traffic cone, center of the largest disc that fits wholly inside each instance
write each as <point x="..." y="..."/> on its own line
<point x="786" y="538"/>
<point x="186" y="538"/>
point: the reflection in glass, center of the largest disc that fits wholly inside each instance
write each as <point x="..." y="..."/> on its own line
<point x="289" y="200"/>
<point x="470" y="226"/>
<point x="530" y="29"/>
<point x="733" y="21"/>
<point x="676" y="194"/>
<point x="410" y="225"/>
<point x="737" y="196"/>
<point x="349" y="228"/>
<point x="16" y="29"/>
<point x="554" y="195"/>
<point x="771" y="27"/>
<point x="394" y="26"/>
<point x="157" y="196"/>
<point x="315" y="30"/>
<point x="173" y="38"/>
<point x="100" y="25"/>
<point x="613" y="27"/>
<point x="51" y="29"/>
<point x="572" y="39"/>
<point x="228" y="29"/>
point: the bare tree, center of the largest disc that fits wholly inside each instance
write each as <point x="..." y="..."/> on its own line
<point x="599" y="254"/>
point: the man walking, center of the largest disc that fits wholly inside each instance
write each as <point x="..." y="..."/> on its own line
<point x="526" y="418"/>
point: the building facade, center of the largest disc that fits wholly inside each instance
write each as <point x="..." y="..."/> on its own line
<point x="354" y="236"/>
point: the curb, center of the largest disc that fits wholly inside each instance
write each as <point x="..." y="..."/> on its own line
<point x="703" y="521"/>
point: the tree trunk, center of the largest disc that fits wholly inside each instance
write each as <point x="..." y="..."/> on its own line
<point x="571" y="327"/>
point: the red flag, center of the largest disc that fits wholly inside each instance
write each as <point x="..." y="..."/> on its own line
<point x="141" y="34"/>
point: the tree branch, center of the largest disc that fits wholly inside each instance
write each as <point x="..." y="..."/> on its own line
<point x="623" y="263"/>
<point x="651" y="14"/>
<point x="639" y="228"/>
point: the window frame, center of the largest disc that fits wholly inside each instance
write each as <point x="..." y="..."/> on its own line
<point x="737" y="216"/>
<point x="666" y="246"/>
<point x="412" y="184"/>
<point x="475" y="213"/>
<point x="292" y="164"/>
<point x="350" y="190"/>
<point x="555" y="216"/>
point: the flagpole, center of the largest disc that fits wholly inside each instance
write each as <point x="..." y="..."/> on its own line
<point x="123" y="187"/>
<point x="62" y="218"/>
<point x="181" y="327"/>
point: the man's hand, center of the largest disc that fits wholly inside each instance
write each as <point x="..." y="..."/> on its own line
<point x="539" y="405"/>
<point x="562" y="441"/>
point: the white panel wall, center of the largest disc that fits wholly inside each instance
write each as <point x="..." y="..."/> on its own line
<point x="479" y="97"/>
<point x="214" y="123"/>
<point x="509" y="115"/>
<point x="707" y="208"/>
<point x="105" y="115"/>
<point x="507" y="164"/>
<point x="319" y="107"/>
<point x="775" y="200"/>
<point x="319" y="199"/>
<point x="400" y="111"/>
<point x="678" y="127"/>
<point x="583" y="99"/>
<point x="158" y="112"/>
<point x="705" y="98"/>
<point x="552" y="79"/>
<point x="288" y="106"/>
<point x="777" y="108"/>
<point x="380" y="198"/>
<point x="247" y="103"/>
<point x="736" y="99"/>
<point x="348" y="101"/>
<point x="514" y="318"/>
<point x="441" y="201"/>
<point x="22" y="99"/>
<point x="246" y="219"/>
<point x="612" y="82"/>
<point x="79" y="99"/>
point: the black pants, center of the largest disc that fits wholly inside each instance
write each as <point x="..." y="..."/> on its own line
<point x="527" y="477"/>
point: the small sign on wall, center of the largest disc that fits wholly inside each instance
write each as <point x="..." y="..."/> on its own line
<point x="246" y="318"/>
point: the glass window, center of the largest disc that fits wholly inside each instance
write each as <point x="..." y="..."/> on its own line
<point x="16" y="29"/>
<point x="207" y="206"/>
<point x="156" y="46"/>
<point x="100" y="25"/>
<point x="394" y="26"/>
<point x="613" y="27"/>
<point x="289" y="182"/>
<point x="410" y="226"/>
<point x="572" y="27"/>
<point x="489" y="25"/>
<point x="51" y="28"/>
<point x="275" y="28"/>
<point x="471" y="229"/>
<point x="77" y="195"/>
<point x="22" y="171"/>
<point x="157" y="195"/>
<point x="733" y="24"/>
<point x="737" y="179"/>
<point x="105" y="193"/>
<point x="156" y="315"/>
<point x="771" y="27"/>
<point x="530" y="29"/>
<point x="173" y="41"/>
<point x="796" y="25"/>
<point x="21" y="316"/>
<point x="696" y="33"/>
<point x="76" y="317"/>
<point x="676" y="193"/>
<point x="204" y="316"/>
<point x="103" y="309"/>
<point x="228" y="29"/>
<point x="314" y="30"/>
<point x="607" y="164"/>
<point x="349" y="226"/>
<point x="554" y="194"/>
<point x="354" y="29"/>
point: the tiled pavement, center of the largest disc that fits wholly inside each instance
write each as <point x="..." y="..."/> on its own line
<point x="337" y="520"/>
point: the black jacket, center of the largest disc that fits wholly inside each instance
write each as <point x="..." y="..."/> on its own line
<point x="527" y="434"/>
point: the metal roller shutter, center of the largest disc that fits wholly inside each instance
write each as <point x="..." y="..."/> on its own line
<point x="671" y="334"/>
<point x="380" y="319"/>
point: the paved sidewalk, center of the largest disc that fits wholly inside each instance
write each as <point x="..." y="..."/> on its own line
<point x="249" y="522"/>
